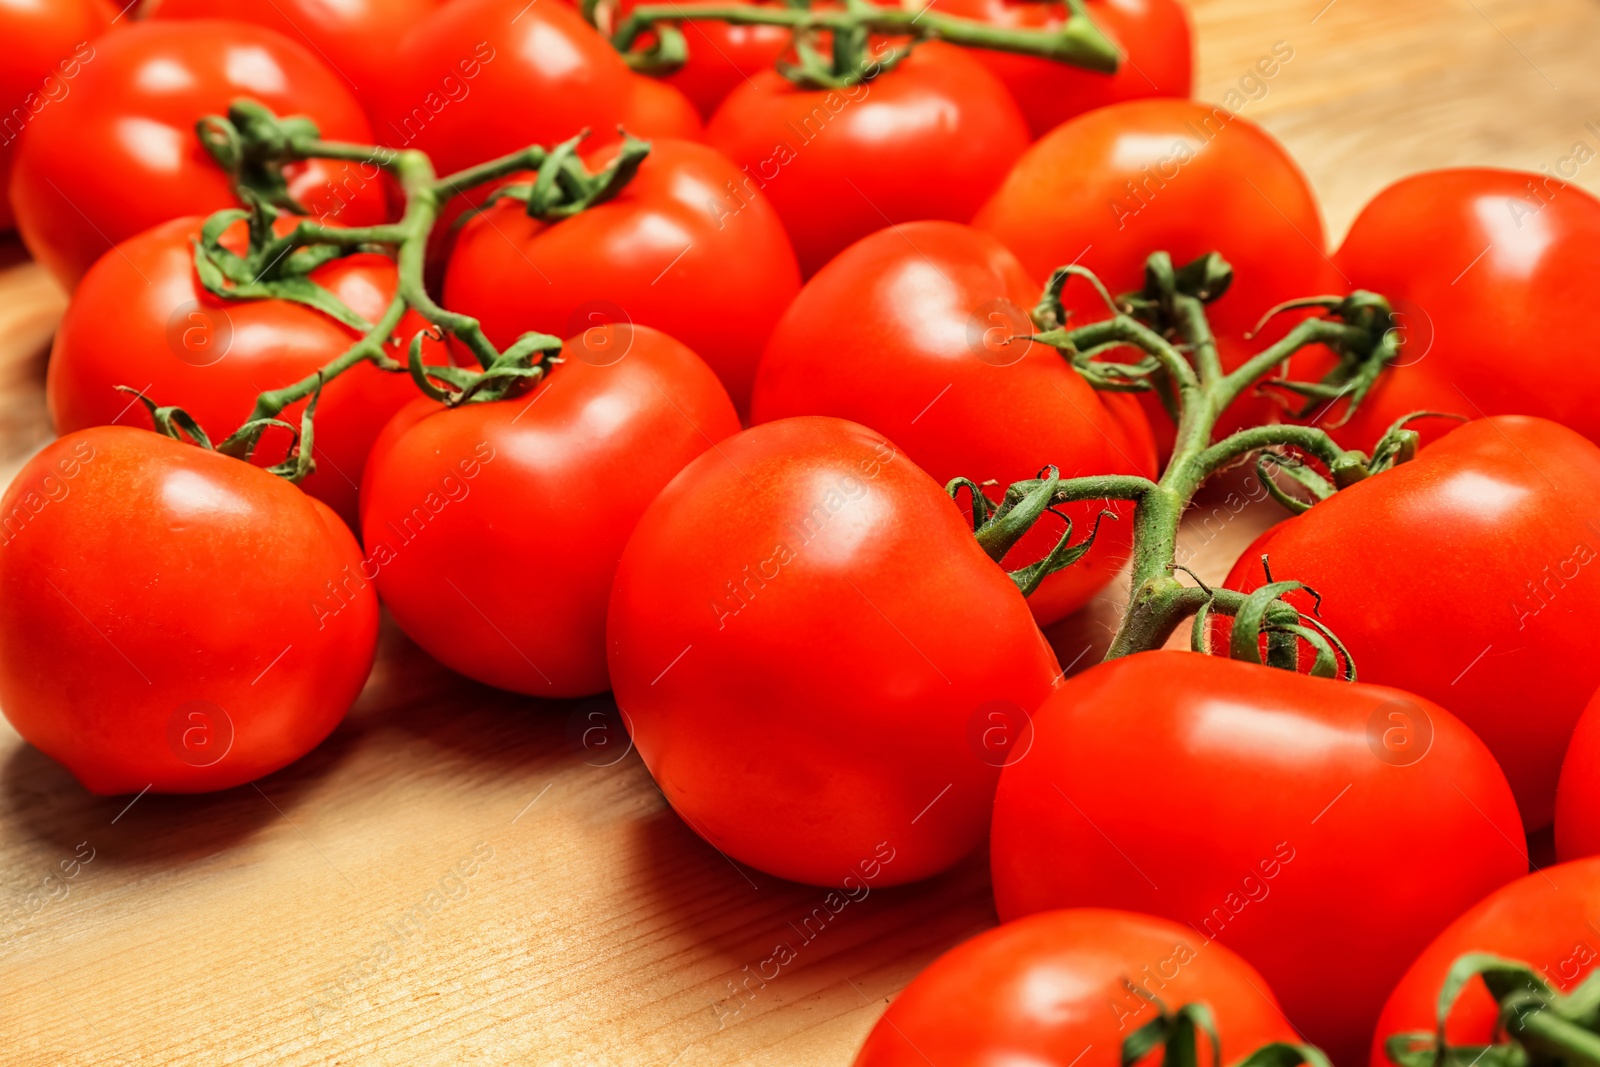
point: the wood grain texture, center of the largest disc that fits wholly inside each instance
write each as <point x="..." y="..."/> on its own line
<point x="455" y="878"/>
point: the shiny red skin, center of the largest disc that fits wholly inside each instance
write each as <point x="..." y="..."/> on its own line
<point x="133" y="119"/>
<point x="1545" y="919"/>
<point x="1254" y="800"/>
<point x="1514" y="501"/>
<point x="1152" y="35"/>
<point x="478" y="79"/>
<point x="657" y="254"/>
<point x="930" y="139"/>
<point x="1493" y="290"/>
<point x="1036" y="991"/>
<point x="140" y="318"/>
<point x="659" y="110"/>
<point x="809" y="766"/>
<point x="892" y="334"/>
<point x="355" y="40"/>
<point x="168" y="574"/>
<point x="721" y="56"/>
<point x="554" y="480"/>
<point x="1578" y="792"/>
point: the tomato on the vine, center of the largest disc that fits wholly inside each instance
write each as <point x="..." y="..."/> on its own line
<point x="806" y="640"/>
<point x="1070" y="987"/>
<point x="929" y="139"/>
<point x="920" y="332"/>
<point x="493" y="529"/>
<point x="156" y="614"/>
<point x="1263" y="808"/>
<point x="119" y="154"/>
<point x="721" y="56"/>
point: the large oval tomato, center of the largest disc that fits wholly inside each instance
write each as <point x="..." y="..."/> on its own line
<point x="1463" y="576"/>
<point x="1545" y="919"/>
<point x="909" y="331"/>
<point x="808" y="644"/>
<point x="721" y="56"/>
<point x="1152" y="37"/>
<point x="141" y="318"/>
<point x="156" y="622"/>
<point x="664" y="252"/>
<point x="119" y="154"/>
<point x="554" y="480"/>
<point x="1055" y="988"/>
<point x="1268" y="810"/>
<point x="930" y="139"/>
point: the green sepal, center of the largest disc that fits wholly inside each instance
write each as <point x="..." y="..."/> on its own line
<point x="523" y="364"/>
<point x="173" y="422"/>
<point x="1270" y="464"/>
<point x="564" y="187"/>
<point x="1359" y="365"/>
<point x="998" y="527"/>
<point x="1399" y="443"/>
<point x="251" y="145"/>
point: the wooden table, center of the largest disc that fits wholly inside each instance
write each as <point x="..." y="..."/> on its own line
<point x="320" y="916"/>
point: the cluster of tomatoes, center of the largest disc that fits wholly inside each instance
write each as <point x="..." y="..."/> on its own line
<point x="743" y="383"/>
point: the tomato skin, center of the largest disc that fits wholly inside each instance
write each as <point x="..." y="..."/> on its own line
<point x="930" y="139"/>
<point x="1152" y="35"/>
<point x="910" y="632"/>
<point x="1578" y="791"/>
<point x="1253" y="799"/>
<point x="659" y="110"/>
<point x="657" y="255"/>
<point x="562" y="475"/>
<point x="140" y="318"/>
<point x="478" y="79"/>
<point x="721" y="56"/>
<point x="1544" y="919"/>
<point x="1517" y="500"/>
<point x="199" y="571"/>
<point x="1489" y="270"/>
<point x="889" y="334"/>
<point x="1037" y="991"/>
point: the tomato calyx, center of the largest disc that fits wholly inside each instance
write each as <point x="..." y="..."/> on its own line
<point x="179" y="425"/>
<point x="251" y="145"/>
<point x="999" y="525"/>
<point x="564" y="186"/>
<point x="1177" y="1034"/>
<point x="1538" y="1026"/>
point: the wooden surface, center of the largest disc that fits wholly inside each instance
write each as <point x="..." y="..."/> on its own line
<point x="323" y="916"/>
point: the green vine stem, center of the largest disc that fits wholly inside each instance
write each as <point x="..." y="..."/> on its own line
<point x="1178" y="1034"/>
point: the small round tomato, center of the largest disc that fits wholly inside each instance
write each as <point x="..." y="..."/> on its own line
<point x="1262" y="808"/>
<point x="930" y="139"/>
<point x="721" y="57"/>
<point x="478" y="79"/>
<point x="141" y="318"/>
<point x="667" y="251"/>
<point x="1152" y="37"/>
<point x="1516" y="502"/>
<point x="1070" y="987"/>
<point x="554" y="480"/>
<point x="133" y="111"/>
<point x="910" y="331"/>
<point x="157" y="614"/>
<point x="659" y="110"/>
<point x="808" y="644"/>
<point x="1578" y="791"/>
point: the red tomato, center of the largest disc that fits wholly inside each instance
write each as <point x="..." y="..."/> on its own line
<point x="1515" y="501"/>
<point x="659" y="110"/>
<point x="1152" y="35"/>
<point x="1578" y="792"/>
<point x="721" y="57"/>
<point x="179" y="584"/>
<point x="1489" y="270"/>
<point x="478" y="79"/>
<point x="658" y="254"/>
<point x="930" y="139"/>
<point x="807" y="642"/>
<point x="1545" y="919"/>
<point x="132" y="113"/>
<point x="1262" y="808"/>
<point x="355" y="38"/>
<point x="142" y="319"/>
<point x="1036" y="991"/>
<point x="907" y="331"/>
<point x="555" y="480"/>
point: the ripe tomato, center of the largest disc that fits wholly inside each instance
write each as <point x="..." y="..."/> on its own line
<point x="721" y="57"/>
<point x="1545" y="919"/>
<point x="1152" y="35"/>
<point x="930" y="139"/>
<point x="142" y="319"/>
<point x="1488" y="269"/>
<point x="1037" y="991"/>
<point x="119" y="155"/>
<point x="1578" y="791"/>
<point x="658" y="254"/>
<point x="658" y="110"/>
<point x="179" y="583"/>
<point x="555" y="480"/>
<point x="1264" y="809"/>
<point x="1515" y="500"/>
<point x="867" y="749"/>
<point x="480" y="78"/>
<point x="908" y="331"/>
